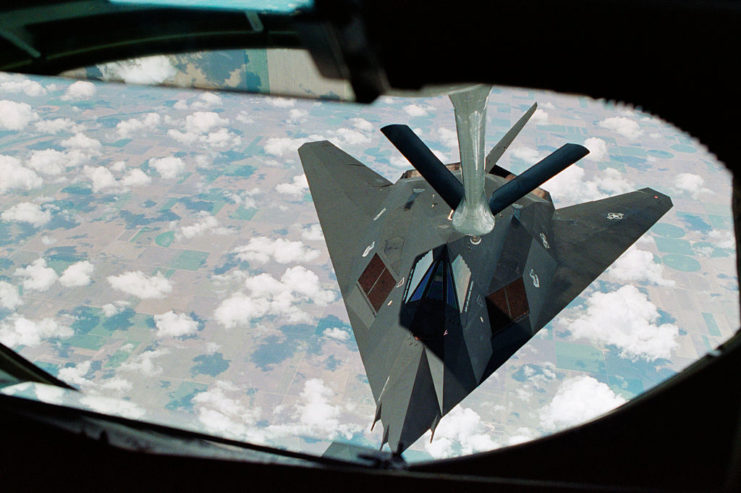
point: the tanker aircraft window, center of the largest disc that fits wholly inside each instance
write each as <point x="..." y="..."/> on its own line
<point x="275" y="6"/>
<point x="161" y="250"/>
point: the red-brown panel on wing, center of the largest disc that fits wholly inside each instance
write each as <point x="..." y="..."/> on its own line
<point x="381" y="290"/>
<point x="517" y="298"/>
<point x="371" y="274"/>
<point x="506" y="305"/>
<point x="499" y="299"/>
<point x="376" y="282"/>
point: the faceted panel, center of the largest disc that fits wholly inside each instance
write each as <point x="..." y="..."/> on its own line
<point x="371" y="273"/>
<point x="506" y="305"/>
<point x="381" y="290"/>
<point x="517" y="299"/>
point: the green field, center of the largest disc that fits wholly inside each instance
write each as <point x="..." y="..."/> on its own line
<point x="165" y="239"/>
<point x="681" y="263"/>
<point x="581" y="357"/>
<point x="244" y="214"/>
<point x="189" y="260"/>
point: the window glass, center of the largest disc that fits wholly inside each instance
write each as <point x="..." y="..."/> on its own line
<point x="420" y="269"/>
<point x="159" y="250"/>
<point x="449" y="289"/>
<point x="435" y="290"/>
<point x="461" y="277"/>
<point x="280" y="6"/>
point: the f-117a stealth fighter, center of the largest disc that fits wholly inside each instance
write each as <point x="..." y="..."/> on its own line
<point x="445" y="280"/>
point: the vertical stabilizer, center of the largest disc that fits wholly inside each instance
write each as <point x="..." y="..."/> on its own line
<point x="497" y="151"/>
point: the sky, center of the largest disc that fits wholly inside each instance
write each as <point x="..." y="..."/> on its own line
<point x="159" y="250"/>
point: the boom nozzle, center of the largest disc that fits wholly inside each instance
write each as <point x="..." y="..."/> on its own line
<point x="472" y="216"/>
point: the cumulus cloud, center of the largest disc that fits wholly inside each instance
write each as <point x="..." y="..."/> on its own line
<point x="521" y="435"/>
<point x="278" y="146"/>
<point x="570" y="187"/>
<point x="20" y="331"/>
<point x="204" y="121"/>
<point x="625" y="319"/>
<point x="136" y="283"/>
<point x="207" y="100"/>
<point x="313" y="233"/>
<point x="101" y="178"/>
<point x="636" y="265"/>
<point x="297" y="188"/>
<point x="104" y="180"/>
<point x="221" y="411"/>
<point x="244" y="117"/>
<point x="113" y="406"/>
<point x="10" y="298"/>
<point x="49" y="393"/>
<point x="27" y="212"/>
<point x="15" y="116"/>
<point x="81" y="89"/>
<point x="111" y="309"/>
<point x="623" y="126"/>
<point x="206" y="127"/>
<point x="206" y="224"/>
<point x="445" y="136"/>
<point x="129" y="127"/>
<point x="57" y="125"/>
<point x="722" y="239"/>
<point x="76" y="374"/>
<point x="347" y="137"/>
<point x="296" y="115"/>
<point x="597" y="149"/>
<point x="361" y="124"/>
<point x="144" y="363"/>
<point x="77" y="274"/>
<point x="336" y="333"/>
<point x="49" y="161"/>
<point x="82" y="143"/>
<point x="316" y="415"/>
<point x="270" y="296"/>
<point x="578" y="399"/>
<point x="690" y="183"/>
<point x="12" y="83"/>
<point x="416" y="110"/>
<point x="171" y="324"/>
<point x="204" y="101"/>
<point x="80" y="375"/>
<point x="460" y="432"/>
<point x="224" y="410"/>
<point x="540" y="116"/>
<point x="168" y="167"/>
<point x="144" y="70"/>
<point x="527" y="154"/>
<point x="37" y="276"/>
<point x="281" y="102"/>
<point x="16" y="176"/>
<point x="262" y="249"/>
<point x="135" y="178"/>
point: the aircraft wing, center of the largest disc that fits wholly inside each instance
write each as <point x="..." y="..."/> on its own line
<point x="347" y="195"/>
<point x="589" y="237"/>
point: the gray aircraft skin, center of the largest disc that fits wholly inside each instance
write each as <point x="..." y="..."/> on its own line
<point x="435" y="312"/>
